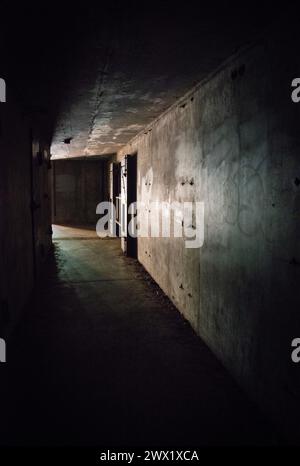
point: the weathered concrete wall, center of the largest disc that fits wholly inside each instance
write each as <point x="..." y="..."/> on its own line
<point x="237" y="137"/>
<point x="25" y="223"/>
<point x="78" y="186"/>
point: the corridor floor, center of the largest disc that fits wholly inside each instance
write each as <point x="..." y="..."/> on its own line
<point x="102" y="358"/>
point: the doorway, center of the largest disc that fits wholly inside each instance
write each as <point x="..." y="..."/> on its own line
<point x="132" y="246"/>
<point x="115" y="193"/>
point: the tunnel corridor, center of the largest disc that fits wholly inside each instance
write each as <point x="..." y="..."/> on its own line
<point x="102" y="358"/>
<point x="149" y="224"/>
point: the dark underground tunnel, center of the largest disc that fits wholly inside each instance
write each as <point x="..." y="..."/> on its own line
<point x="149" y="229"/>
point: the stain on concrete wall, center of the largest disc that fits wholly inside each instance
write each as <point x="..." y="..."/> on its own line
<point x="236" y="136"/>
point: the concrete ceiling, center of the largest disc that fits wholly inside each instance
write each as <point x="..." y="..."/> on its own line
<point x="106" y="71"/>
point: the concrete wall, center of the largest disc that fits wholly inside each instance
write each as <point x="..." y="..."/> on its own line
<point x="78" y="186"/>
<point x="236" y="137"/>
<point x="25" y="235"/>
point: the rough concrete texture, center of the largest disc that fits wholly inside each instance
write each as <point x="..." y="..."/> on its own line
<point x="140" y="60"/>
<point x="78" y="187"/>
<point x="104" y="359"/>
<point x="25" y="223"/>
<point x="237" y="137"/>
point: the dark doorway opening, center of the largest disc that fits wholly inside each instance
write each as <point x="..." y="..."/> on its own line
<point x="115" y="192"/>
<point x="131" y="197"/>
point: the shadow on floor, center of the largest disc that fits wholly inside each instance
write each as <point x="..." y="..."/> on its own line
<point x="101" y="358"/>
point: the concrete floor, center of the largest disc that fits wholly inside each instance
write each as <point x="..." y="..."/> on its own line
<point x="102" y="358"/>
